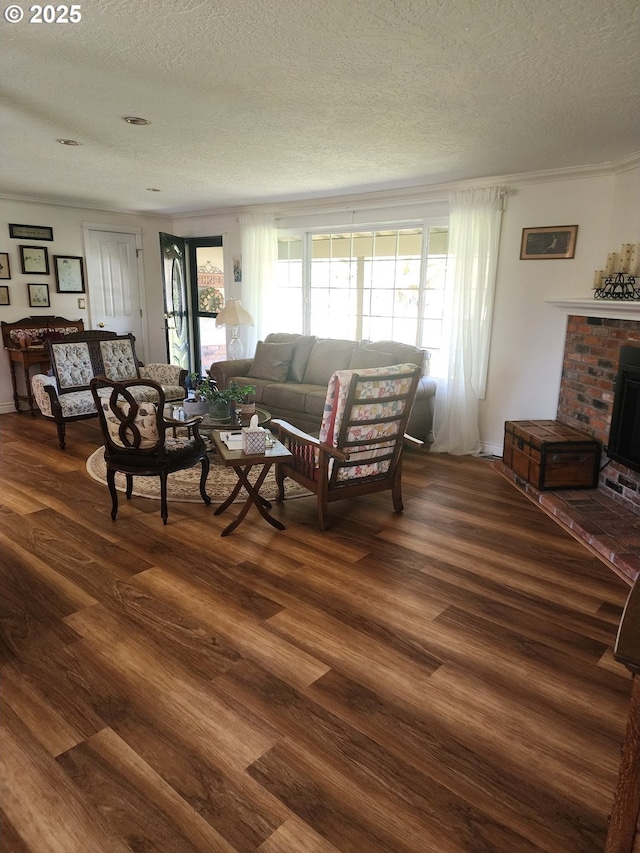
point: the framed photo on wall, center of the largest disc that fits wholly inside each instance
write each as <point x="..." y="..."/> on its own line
<point x="34" y="260"/>
<point x="69" y="273"/>
<point x="39" y="295"/>
<point x="30" y="232"/>
<point x="4" y="295"/>
<point x="553" y="242"/>
<point x="5" y="267"/>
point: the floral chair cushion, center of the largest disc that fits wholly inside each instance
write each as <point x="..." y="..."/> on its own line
<point x="118" y="359"/>
<point x="376" y="389"/>
<point x="167" y="375"/>
<point x="140" y="431"/>
<point x="72" y="365"/>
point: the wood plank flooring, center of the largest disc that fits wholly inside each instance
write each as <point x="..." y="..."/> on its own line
<point x="440" y="681"/>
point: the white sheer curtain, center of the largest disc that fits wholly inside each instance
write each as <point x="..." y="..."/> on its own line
<point x="259" y="259"/>
<point x="474" y="239"/>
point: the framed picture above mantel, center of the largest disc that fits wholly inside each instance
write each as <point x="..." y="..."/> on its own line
<point x="553" y="242"/>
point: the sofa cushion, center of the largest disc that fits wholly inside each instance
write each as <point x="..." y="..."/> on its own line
<point x="327" y="356"/>
<point x="271" y="361"/>
<point x="314" y="404"/>
<point x="302" y="345"/>
<point x="364" y="357"/>
<point x="286" y="395"/>
<point x="404" y="353"/>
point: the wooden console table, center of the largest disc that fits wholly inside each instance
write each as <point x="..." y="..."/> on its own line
<point x="33" y="331"/>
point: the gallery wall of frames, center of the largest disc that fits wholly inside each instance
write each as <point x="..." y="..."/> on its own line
<point x="30" y="272"/>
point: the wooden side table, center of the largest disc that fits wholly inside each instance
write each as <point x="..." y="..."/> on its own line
<point x="25" y="359"/>
<point x="242" y="463"/>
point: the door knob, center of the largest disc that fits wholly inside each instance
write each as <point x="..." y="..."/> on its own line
<point x="101" y="325"/>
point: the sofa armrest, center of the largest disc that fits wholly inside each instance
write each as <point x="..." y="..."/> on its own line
<point x="427" y="386"/>
<point x="40" y="382"/>
<point x="164" y="374"/>
<point x="221" y="371"/>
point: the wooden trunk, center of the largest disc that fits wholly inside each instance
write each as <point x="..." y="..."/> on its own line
<point x="550" y="455"/>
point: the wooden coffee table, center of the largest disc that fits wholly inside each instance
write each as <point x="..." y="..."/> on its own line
<point x="242" y="463"/>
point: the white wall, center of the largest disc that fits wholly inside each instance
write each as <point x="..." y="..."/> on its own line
<point x="67" y="225"/>
<point x="527" y="343"/>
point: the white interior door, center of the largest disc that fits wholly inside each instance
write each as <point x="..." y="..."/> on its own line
<point x="113" y="284"/>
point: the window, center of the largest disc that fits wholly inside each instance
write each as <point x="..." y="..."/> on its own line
<point x="386" y="284"/>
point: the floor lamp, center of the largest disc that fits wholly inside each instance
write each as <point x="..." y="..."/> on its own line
<point x="234" y="315"/>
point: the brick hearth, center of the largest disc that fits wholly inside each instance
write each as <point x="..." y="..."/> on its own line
<point x="610" y="532"/>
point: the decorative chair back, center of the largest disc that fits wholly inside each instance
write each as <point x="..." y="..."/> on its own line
<point x="130" y="424"/>
<point x="78" y="358"/>
<point x="119" y="358"/>
<point x="131" y="416"/>
<point x="366" y="415"/>
<point x="359" y="449"/>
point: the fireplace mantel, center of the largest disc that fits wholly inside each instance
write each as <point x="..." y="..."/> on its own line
<point x="609" y="309"/>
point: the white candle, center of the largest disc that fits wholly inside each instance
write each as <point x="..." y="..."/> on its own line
<point x="612" y="262"/>
<point x="634" y="260"/>
<point x="625" y="256"/>
<point x="597" y="279"/>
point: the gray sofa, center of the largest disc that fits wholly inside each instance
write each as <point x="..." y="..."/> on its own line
<point x="291" y="373"/>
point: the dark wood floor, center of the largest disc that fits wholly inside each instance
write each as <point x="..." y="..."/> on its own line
<point x="434" y="682"/>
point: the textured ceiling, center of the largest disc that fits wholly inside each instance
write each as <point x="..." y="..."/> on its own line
<point x="254" y="101"/>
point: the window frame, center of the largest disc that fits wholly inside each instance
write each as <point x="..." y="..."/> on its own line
<point x="305" y="235"/>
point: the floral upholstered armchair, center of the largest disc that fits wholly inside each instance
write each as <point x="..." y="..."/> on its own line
<point x="359" y="448"/>
<point x="66" y="395"/>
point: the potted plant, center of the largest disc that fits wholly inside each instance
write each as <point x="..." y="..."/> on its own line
<point x="195" y="404"/>
<point x="239" y="396"/>
<point x="218" y="401"/>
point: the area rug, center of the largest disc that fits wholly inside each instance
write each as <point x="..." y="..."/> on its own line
<point x="184" y="486"/>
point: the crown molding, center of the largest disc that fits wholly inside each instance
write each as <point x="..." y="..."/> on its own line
<point x="87" y="206"/>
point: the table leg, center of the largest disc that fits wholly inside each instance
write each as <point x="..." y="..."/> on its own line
<point x="14" y="382"/>
<point x="253" y="498"/>
<point x="27" y="380"/>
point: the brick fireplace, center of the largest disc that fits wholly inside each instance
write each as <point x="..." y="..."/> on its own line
<point x="591" y="356"/>
<point x="606" y="519"/>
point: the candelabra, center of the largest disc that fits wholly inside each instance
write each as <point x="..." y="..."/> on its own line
<point x="618" y="286"/>
<point x="620" y="280"/>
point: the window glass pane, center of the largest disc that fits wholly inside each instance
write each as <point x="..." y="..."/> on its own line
<point x="406" y="303"/>
<point x="211" y="296"/>
<point x="213" y="342"/>
<point x="382" y="302"/>
<point x="405" y="330"/>
<point x="210" y="272"/>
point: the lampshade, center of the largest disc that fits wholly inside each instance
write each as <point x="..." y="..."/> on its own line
<point x="233" y="314"/>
